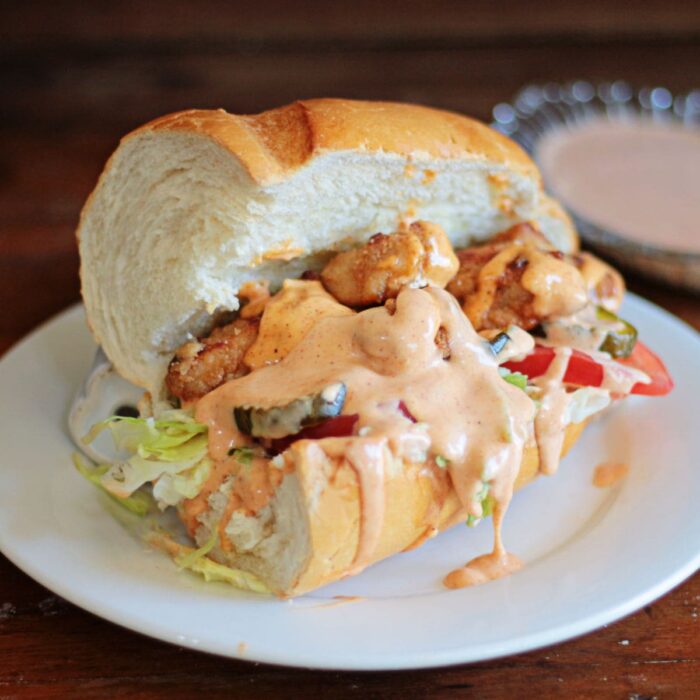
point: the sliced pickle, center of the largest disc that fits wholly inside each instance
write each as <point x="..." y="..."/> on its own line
<point x="621" y="339"/>
<point x="498" y="343"/>
<point x="281" y="421"/>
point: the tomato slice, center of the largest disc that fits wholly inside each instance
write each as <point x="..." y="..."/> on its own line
<point x="404" y="409"/>
<point x="651" y="364"/>
<point x="340" y="426"/>
<point x="582" y="370"/>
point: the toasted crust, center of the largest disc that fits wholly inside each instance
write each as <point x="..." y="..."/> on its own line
<point x="272" y="145"/>
<point x="417" y="506"/>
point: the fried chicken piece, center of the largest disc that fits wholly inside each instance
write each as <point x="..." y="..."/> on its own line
<point x="200" y="366"/>
<point x="416" y="256"/>
<point x="516" y="278"/>
<point x="521" y="233"/>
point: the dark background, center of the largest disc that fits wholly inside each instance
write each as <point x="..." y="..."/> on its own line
<point x="74" y="77"/>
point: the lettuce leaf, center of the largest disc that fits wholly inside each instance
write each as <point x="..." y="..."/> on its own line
<point x="170" y="489"/>
<point x="585" y="402"/>
<point x="487" y="503"/>
<point x="186" y="560"/>
<point x="172" y="448"/>
<point x="174" y="437"/>
<point x="196" y="560"/>
<point x="213" y="571"/>
<point x="139" y="503"/>
<point x="515" y="378"/>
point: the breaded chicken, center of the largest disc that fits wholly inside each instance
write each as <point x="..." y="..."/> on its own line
<point x="202" y="365"/>
<point x="417" y="256"/>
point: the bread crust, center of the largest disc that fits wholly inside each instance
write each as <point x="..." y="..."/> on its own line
<point x="410" y="496"/>
<point x="274" y="144"/>
<point x="224" y="197"/>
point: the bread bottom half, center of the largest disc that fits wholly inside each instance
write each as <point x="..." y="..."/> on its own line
<point x="308" y="534"/>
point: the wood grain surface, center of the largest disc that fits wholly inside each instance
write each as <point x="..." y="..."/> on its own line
<point x="76" y="76"/>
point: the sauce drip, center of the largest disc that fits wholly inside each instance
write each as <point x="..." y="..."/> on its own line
<point x="549" y="421"/>
<point x="609" y="473"/>
<point x="475" y="421"/>
<point x="558" y="288"/>
<point x="487" y="567"/>
<point x="639" y="179"/>
<point x="287" y="319"/>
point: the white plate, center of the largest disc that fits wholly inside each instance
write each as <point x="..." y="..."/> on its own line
<point x="592" y="555"/>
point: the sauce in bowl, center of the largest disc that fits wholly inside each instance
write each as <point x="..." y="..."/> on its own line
<point x="638" y="179"/>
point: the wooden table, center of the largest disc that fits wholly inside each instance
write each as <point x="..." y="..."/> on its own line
<point x="76" y="76"/>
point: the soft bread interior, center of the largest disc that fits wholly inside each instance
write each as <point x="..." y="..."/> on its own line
<point x="274" y="544"/>
<point x="178" y="222"/>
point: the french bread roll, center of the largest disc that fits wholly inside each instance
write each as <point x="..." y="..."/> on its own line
<point x="193" y="205"/>
<point x="308" y="535"/>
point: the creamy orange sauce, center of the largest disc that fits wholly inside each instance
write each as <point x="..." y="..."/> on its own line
<point x="477" y="423"/>
<point x="252" y="486"/>
<point x="191" y="509"/>
<point x="563" y="332"/>
<point x="609" y="473"/>
<point x="341" y="600"/>
<point x="382" y="359"/>
<point x="640" y="179"/>
<point x="257" y="294"/>
<point x="549" y="421"/>
<point x="285" y="254"/>
<point x="594" y="271"/>
<point x="368" y="458"/>
<point x="483" y="569"/>
<point x="440" y="481"/>
<point x="287" y="319"/>
<point x="558" y="287"/>
<point x="521" y="343"/>
<point x="619" y="379"/>
<point x="487" y="567"/>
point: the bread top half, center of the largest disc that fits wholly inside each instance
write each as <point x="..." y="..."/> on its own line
<point x="194" y="204"/>
<point x="273" y="145"/>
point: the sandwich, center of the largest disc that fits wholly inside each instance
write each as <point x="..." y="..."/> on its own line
<point x="355" y="324"/>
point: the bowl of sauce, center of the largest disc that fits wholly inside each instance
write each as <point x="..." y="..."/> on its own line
<point x="625" y="164"/>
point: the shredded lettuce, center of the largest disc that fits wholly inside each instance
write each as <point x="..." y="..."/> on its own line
<point x="196" y="560"/>
<point x="139" y="502"/>
<point x="487" y="506"/>
<point x="487" y="503"/>
<point x="213" y="571"/>
<point x="171" y="450"/>
<point x="187" y="559"/>
<point x="585" y="402"/>
<point x="174" y="437"/>
<point x="170" y="489"/>
<point x="515" y="378"/>
<point x="172" y="453"/>
<point x="441" y="461"/>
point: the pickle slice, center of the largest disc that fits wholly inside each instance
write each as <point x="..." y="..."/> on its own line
<point x="620" y="339"/>
<point x="281" y="421"/>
